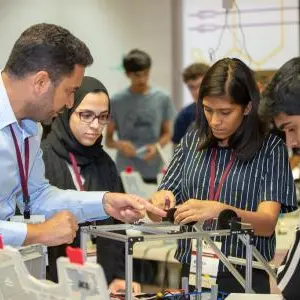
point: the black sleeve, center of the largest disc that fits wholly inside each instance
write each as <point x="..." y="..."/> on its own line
<point x="119" y="271"/>
<point x="180" y="128"/>
<point x="111" y="255"/>
<point x="288" y="276"/>
<point x="50" y="163"/>
<point x="114" y="263"/>
<point x="119" y="246"/>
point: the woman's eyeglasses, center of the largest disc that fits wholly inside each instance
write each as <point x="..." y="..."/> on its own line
<point x="89" y="116"/>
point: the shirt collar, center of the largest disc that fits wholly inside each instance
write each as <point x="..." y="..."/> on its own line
<point x="7" y="116"/>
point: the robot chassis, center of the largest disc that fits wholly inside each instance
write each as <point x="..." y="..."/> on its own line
<point x="167" y="231"/>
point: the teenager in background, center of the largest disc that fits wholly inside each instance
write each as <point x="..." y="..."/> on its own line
<point x="192" y="77"/>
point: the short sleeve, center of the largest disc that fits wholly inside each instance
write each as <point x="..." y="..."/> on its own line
<point x="169" y="109"/>
<point x="173" y="177"/>
<point x="278" y="183"/>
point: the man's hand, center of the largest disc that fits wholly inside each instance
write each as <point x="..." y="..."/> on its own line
<point x="195" y="210"/>
<point x="164" y="200"/>
<point x="58" y="230"/>
<point x="118" y="285"/>
<point x="151" y="152"/>
<point x="126" y="148"/>
<point x="128" y="208"/>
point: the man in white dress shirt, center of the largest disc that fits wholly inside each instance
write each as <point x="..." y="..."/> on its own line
<point x="44" y="69"/>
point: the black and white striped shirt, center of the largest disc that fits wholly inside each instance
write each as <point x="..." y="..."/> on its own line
<point x="267" y="176"/>
<point x="289" y="272"/>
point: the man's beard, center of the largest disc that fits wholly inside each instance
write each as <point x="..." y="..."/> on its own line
<point x="48" y="121"/>
<point x="42" y="109"/>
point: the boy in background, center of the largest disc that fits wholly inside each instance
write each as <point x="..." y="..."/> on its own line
<point x="192" y="77"/>
<point x="142" y="117"/>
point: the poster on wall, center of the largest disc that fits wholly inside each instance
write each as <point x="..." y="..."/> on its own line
<point x="263" y="33"/>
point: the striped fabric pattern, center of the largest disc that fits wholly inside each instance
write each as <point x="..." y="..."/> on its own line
<point x="288" y="276"/>
<point x="266" y="177"/>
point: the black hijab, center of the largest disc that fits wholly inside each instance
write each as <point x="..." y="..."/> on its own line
<point x="96" y="167"/>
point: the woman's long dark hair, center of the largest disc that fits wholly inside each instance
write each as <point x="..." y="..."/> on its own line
<point x="232" y="78"/>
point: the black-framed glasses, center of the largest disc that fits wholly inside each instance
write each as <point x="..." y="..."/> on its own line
<point x="88" y="117"/>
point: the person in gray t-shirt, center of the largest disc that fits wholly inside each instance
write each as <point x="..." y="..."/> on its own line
<point x="142" y="116"/>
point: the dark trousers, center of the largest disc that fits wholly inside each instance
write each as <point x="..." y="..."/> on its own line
<point x="228" y="284"/>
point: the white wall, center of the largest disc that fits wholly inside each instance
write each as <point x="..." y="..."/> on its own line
<point x="109" y="27"/>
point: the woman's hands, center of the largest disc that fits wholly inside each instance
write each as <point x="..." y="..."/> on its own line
<point x="195" y="210"/>
<point x="162" y="199"/>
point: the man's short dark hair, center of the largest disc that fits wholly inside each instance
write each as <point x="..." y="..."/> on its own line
<point x="194" y="71"/>
<point x="282" y="94"/>
<point x="50" y="48"/>
<point x="136" y="60"/>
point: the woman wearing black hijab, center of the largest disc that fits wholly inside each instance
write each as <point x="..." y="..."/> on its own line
<point x="74" y="159"/>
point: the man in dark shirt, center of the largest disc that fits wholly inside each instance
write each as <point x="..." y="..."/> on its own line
<point x="281" y="104"/>
<point x="192" y="77"/>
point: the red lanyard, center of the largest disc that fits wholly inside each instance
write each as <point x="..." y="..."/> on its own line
<point x="23" y="172"/>
<point x="212" y="194"/>
<point x="77" y="175"/>
<point x="76" y="171"/>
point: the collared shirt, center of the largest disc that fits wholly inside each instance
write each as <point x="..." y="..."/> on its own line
<point x="266" y="177"/>
<point x="44" y="198"/>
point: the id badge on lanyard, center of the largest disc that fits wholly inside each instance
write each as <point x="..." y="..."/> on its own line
<point x="23" y="172"/>
<point x="210" y="264"/>
<point x="210" y="261"/>
<point x="34" y="219"/>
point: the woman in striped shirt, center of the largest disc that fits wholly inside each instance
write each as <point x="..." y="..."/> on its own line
<point x="227" y="161"/>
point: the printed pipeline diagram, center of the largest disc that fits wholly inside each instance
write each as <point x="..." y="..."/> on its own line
<point x="237" y="32"/>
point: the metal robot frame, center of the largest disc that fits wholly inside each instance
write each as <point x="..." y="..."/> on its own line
<point x="167" y="231"/>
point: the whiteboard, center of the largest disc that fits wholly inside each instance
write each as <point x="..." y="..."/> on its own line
<point x="263" y="33"/>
